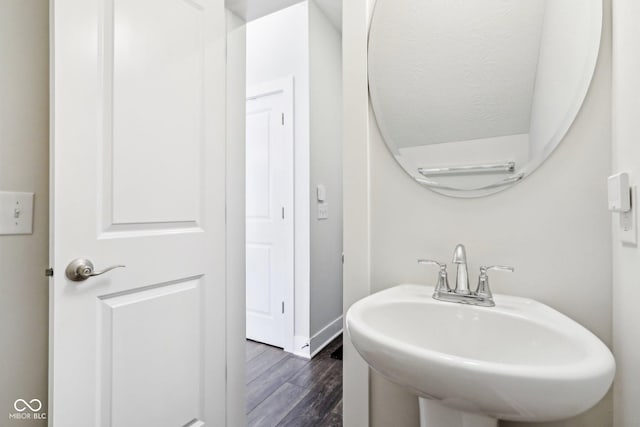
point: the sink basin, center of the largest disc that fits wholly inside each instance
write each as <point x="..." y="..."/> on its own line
<point x="520" y="360"/>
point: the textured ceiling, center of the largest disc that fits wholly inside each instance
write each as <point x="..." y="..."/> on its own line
<point x="333" y="10"/>
<point x="253" y="9"/>
<point x="443" y="71"/>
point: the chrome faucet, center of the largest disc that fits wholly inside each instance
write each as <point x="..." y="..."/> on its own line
<point x="462" y="275"/>
<point x="461" y="293"/>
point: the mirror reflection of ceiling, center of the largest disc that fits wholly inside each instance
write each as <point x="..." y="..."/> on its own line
<point x="486" y="89"/>
<point x="465" y="83"/>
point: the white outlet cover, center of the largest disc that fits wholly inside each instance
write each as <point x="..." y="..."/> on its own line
<point x="16" y="213"/>
<point x="629" y="222"/>
<point x="323" y="210"/>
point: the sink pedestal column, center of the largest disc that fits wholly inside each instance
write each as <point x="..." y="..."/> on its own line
<point x="434" y="414"/>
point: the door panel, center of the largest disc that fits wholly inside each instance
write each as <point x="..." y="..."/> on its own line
<point x="137" y="360"/>
<point x="138" y="173"/>
<point x="157" y="104"/>
<point x="259" y="281"/>
<point x="258" y="166"/>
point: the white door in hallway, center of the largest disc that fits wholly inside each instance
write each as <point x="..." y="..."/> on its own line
<point x="269" y="214"/>
<point x="138" y="174"/>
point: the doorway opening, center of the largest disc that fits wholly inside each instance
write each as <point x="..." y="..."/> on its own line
<point x="292" y="127"/>
<point x="293" y="151"/>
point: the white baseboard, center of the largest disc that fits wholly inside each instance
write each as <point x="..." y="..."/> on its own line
<point x="325" y="336"/>
<point x="301" y="347"/>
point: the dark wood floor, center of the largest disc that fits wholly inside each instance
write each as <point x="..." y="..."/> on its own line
<point x="286" y="390"/>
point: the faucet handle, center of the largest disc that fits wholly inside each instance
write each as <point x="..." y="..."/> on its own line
<point x="443" y="279"/>
<point x="442" y="265"/>
<point x="483" y="270"/>
<point x="483" y="289"/>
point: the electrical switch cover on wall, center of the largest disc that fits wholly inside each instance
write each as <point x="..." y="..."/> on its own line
<point x="16" y="213"/>
<point x="321" y="193"/>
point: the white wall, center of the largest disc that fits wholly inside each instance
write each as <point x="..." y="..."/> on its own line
<point x="325" y="66"/>
<point x="24" y="166"/>
<point x="626" y="157"/>
<point x="553" y="227"/>
<point x="277" y="47"/>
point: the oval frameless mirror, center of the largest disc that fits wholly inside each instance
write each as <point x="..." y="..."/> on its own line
<point x="471" y="96"/>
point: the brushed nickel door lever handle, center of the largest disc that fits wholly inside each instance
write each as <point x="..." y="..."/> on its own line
<point x="81" y="269"/>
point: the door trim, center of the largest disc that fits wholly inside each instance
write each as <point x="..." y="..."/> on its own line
<point x="356" y="199"/>
<point x="285" y="86"/>
<point x="235" y="200"/>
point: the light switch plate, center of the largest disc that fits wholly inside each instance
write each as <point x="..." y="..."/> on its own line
<point x="323" y="210"/>
<point x="321" y="193"/>
<point x="16" y="213"/>
<point x="629" y="222"/>
<point x="619" y="192"/>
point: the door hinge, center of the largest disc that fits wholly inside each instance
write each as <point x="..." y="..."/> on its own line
<point x="48" y="272"/>
<point x="282" y="119"/>
<point x="282" y="307"/>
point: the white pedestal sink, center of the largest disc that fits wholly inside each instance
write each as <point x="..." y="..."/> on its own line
<point x="471" y="366"/>
<point x="434" y="414"/>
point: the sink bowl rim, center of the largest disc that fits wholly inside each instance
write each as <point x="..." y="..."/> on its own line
<point x="597" y="360"/>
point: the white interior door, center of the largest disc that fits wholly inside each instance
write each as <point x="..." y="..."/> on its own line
<point x="138" y="172"/>
<point x="269" y="216"/>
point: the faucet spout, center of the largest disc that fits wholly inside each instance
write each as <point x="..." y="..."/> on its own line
<point x="462" y="276"/>
<point x="459" y="255"/>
